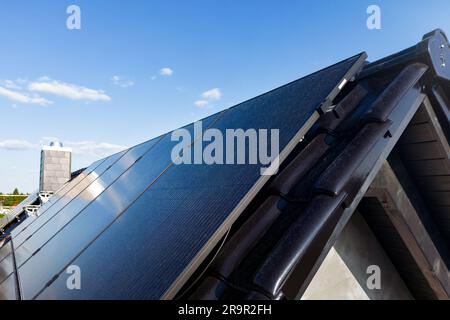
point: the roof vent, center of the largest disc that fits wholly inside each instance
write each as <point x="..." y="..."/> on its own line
<point x="56" y="144"/>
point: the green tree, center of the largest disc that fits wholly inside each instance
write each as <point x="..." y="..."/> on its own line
<point x="16" y="192"/>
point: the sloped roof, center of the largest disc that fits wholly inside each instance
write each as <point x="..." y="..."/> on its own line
<point x="141" y="227"/>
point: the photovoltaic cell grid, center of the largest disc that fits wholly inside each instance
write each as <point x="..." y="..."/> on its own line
<point x="142" y="236"/>
<point x="24" y="229"/>
<point x="55" y="197"/>
<point x="29" y="200"/>
<point x="7" y="266"/>
<point x="63" y="198"/>
<point x="4" y="251"/>
<point x="67" y="201"/>
<point x="65" y="194"/>
<point x="45" y="232"/>
<point x="8" y="289"/>
<point x="73" y="227"/>
<point x="86" y="173"/>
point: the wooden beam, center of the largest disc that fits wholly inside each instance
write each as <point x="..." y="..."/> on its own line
<point x="397" y="205"/>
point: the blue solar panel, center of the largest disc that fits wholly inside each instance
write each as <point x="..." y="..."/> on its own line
<point x="8" y="288"/>
<point x="65" y="201"/>
<point x="7" y="267"/>
<point x="68" y="213"/>
<point x="55" y="198"/>
<point x="37" y="223"/>
<point x="73" y="228"/>
<point x="144" y="236"/>
<point x="29" y="200"/>
<point x="4" y="252"/>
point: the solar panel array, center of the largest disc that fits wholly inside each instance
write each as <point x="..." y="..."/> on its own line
<point x="11" y="215"/>
<point x="136" y="224"/>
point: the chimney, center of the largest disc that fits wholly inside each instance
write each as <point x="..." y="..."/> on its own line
<point x="55" y="167"/>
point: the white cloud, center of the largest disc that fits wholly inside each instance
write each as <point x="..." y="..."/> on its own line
<point x="208" y="96"/>
<point x="67" y="90"/>
<point x="14" y="84"/>
<point x="89" y="148"/>
<point x="17" y="145"/>
<point x="23" y="97"/>
<point x="45" y="141"/>
<point x="213" y="94"/>
<point x="201" y="103"/>
<point x="92" y="148"/>
<point x="44" y="78"/>
<point x="10" y="84"/>
<point x="122" y="82"/>
<point x="24" y="91"/>
<point x="167" y="72"/>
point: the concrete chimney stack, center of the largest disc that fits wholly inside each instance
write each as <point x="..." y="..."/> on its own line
<point x="56" y="164"/>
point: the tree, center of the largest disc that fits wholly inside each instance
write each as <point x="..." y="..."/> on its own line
<point x="16" y="192"/>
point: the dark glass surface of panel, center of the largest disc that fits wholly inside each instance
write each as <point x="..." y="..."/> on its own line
<point x="56" y="197"/>
<point x="41" y="220"/>
<point x="69" y="212"/>
<point x="83" y="229"/>
<point x="67" y="199"/>
<point x="8" y="288"/>
<point x="4" y="251"/>
<point x="27" y="201"/>
<point x="6" y="267"/>
<point x="164" y="231"/>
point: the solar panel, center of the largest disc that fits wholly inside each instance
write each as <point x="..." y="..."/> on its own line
<point x="27" y="201"/>
<point x="8" y="289"/>
<point x="75" y="227"/>
<point x="55" y="197"/>
<point x="42" y="219"/>
<point x="65" y="200"/>
<point x="71" y="184"/>
<point x="112" y="171"/>
<point x="145" y="235"/>
<point x="38" y="222"/>
<point x="4" y="252"/>
<point x="86" y="176"/>
<point x="7" y="267"/>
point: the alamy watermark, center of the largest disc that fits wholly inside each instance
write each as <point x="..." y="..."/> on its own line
<point x="73" y="282"/>
<point x="374" y="280"/>
<point x="73" y="21"/>
<point x="374" y="20"/>
<point x="235" y="146"/>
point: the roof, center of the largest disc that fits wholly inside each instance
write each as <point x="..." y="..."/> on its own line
<point x="142" y="227"/>
<point x="11" y="215"/>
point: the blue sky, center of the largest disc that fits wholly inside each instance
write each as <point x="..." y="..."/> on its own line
<point x="100" y="88"/>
